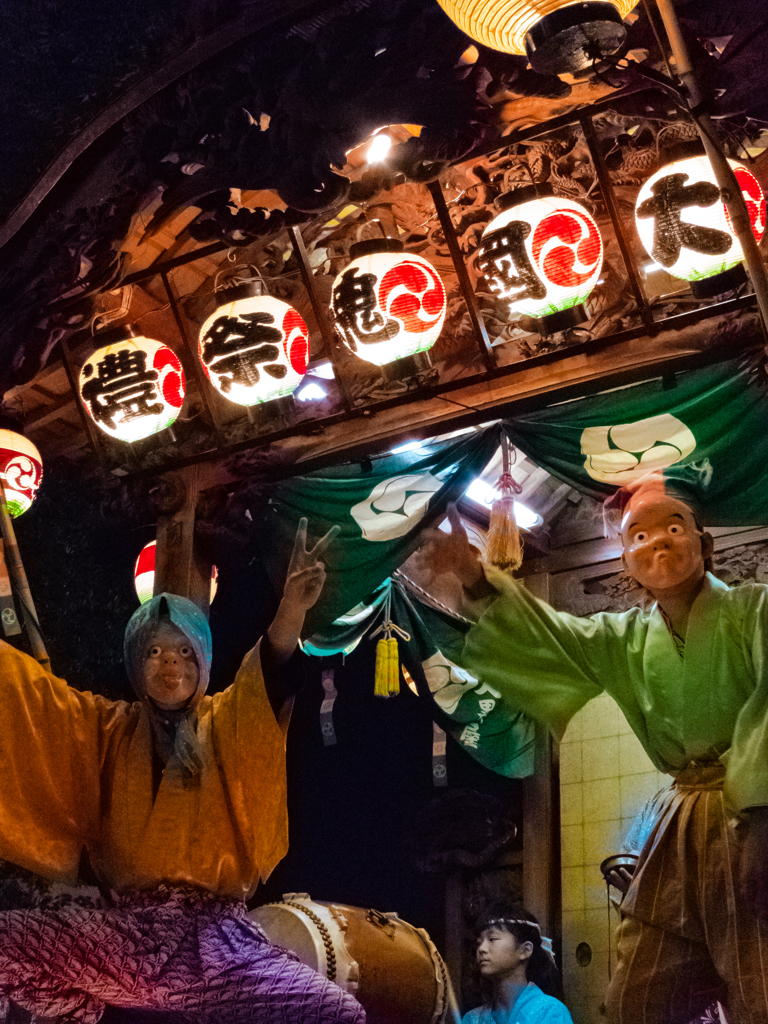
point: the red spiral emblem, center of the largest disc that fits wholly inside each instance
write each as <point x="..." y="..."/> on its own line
<point x="414" y="293"/>
<point x="567" y="248"/>
<point x="170" y="377"/>
<point x="755" y="200"/>
<point x="295" y="341"/>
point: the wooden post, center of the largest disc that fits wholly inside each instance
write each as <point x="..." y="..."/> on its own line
<point x="179" y="569"/>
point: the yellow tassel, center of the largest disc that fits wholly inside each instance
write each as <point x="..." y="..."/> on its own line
<point x="393" y="681"/>
<point x="381" y="686"/>
<point x="505" y="546"/>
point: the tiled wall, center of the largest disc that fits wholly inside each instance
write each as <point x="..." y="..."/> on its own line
<point x="605" y="778"/>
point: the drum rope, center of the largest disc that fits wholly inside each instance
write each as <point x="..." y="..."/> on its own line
<point x="330" y="954"/>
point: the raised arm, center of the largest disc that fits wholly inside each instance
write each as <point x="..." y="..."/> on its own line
<point x="442" y="553"/>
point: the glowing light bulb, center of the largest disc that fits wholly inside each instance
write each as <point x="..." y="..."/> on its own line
<point x="378" y="148"/>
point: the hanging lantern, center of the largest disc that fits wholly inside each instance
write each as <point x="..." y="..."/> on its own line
<point x="543" y="255"/>
<point x="557" y="36"/>
<point x="144" y="573"/>
<point x="686" y="228"/>
<point x="388" y="304"/>
<point x="133" y="386"/>
<point x="254" y="348"/>
<point x="21" y="469"/>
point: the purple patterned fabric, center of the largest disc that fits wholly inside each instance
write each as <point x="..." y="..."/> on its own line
<point x="187" y="952"/>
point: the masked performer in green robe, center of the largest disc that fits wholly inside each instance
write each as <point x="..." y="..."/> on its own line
<point x="691" y="676"/>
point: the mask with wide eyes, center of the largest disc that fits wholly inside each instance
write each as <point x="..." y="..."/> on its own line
<point x="185" y="651"/>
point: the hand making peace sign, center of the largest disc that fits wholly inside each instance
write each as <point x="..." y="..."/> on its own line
<point x="306" y="572"/>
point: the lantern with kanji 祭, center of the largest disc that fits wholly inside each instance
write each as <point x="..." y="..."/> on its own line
<point x="542" y="255"/>
<point x="388" y="304"/>
<point x="144" y="573"/>
<point x="21" y="470"/>
<point x="685" y="226"/>
<point x="254" y="348"/>
<point x="557" y="36"/>
<point x="133" y="386"/>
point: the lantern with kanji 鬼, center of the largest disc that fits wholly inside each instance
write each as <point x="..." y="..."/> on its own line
<point x="254" y="348"/>
<point x="557" y="36"/>
<point x="542" y="255"/>
<point x="21" y="470"/>
<point x="685" y="226"/>
<point x="133" y="386"/>
<point x="144" y="573"/>
<point x="388" y="304"/>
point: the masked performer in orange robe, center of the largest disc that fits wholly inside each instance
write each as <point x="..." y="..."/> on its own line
<point x="180" y="801"/>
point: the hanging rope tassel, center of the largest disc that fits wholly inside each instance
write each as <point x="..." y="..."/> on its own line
<point x="393" y="675"/>
<point x="505" y="546"/>
<point x="381" y="686"/>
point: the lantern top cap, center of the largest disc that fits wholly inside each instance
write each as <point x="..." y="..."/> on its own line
<point x="233" y="291"/>
<point x="371" y="246"/>
<point x="523" y="195"/>
<point x="114" y="335"/>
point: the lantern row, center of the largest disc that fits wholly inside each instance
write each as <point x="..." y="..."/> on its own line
<point x="541" y="255"/>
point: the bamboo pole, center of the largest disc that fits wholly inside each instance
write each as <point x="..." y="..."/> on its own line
<point x="19" y="580"/>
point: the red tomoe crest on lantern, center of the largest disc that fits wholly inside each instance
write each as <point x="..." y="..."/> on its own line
<point x="254" y="348"/>
<point x="388" y="305"/>
<point x="144" y="573"/>
<point x="542" y="254"/>
<point x="21" y="469"/>
<point x="133" y="386"/>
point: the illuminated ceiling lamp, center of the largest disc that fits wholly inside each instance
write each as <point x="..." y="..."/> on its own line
<point x="133" y="386"/>
<point x="557" y="36"/>
<point x="21" y="469"/>
<point x="543" y="256"/>
<point x="388" y="304"/>
<point x="685" y="226"/>
<point x="144" y="573"/>
<point x="253" y="348"/>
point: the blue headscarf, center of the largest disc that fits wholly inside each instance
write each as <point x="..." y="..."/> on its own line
<point x="193" y="624"/>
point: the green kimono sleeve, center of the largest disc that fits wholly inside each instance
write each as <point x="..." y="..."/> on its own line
<point x="547" y="663"/>
<point x="746" y="780"/>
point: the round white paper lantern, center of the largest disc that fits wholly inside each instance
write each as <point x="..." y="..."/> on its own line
<point x="133" y="386"/>
<point x="254" y="348"/>
<point x="542" y="255"/>
<point x="685" y="227"/>
<point x="21" y="469"/>
<point x="144" y="573"/>
<point x="388" y="304"/>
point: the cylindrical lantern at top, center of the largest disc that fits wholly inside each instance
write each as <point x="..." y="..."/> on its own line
<point x="21" y="469"/>
<point x="254" y="348"/>
<point x="685" y="226"/>
<point x="543" y="255"/>
<point x="388" y="304"/>
<point x="557" y="36"/>
<point x="144" y="573"/>
<point x="133" y="386"/>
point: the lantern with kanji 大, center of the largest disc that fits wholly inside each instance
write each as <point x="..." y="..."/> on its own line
<point x="144" y="573"/>
<point x="542" y="255"/>
<point x="254" y="348"/>
<point x="21" y="470"/>
<point x="557" y="36"/>
<point x="388" y="304"/>
<point x="133" y="386"/>
<point x="685" y="226"/>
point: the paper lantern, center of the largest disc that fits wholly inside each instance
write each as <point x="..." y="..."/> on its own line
<point x="144" y="573"/>
<point x="557" y="36"/>
<point x="133" y="386"/>
<point x="542" y="255"/>
<point x="254" y="348"/>
<point x="21" y="469"/>
<point x="685" y="227"/>
<point x="388" y="304"/>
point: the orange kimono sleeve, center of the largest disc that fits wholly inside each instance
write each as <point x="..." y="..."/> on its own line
<point x="51" y="741"/>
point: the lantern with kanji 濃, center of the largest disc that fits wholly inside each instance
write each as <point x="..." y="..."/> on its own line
<point x="542" y="255"/>
<point x="144" y="573"/>
<point x="254" y="348"/>
<point x="685" y="226"/>
<point x="133" y="386"/>
<point x="21" y="470"/>
<point x="557" y="36"/>
<point x="388" y="304"/>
